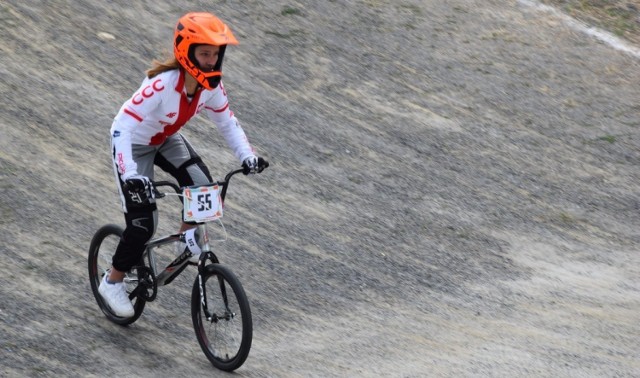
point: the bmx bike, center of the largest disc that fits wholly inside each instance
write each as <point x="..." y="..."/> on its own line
<point x="220" y="309"/>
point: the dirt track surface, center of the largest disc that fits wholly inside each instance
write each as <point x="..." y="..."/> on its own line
<point x="453" y="190"/>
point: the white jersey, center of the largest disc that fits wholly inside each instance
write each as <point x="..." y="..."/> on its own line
<point x="160" y="108"/>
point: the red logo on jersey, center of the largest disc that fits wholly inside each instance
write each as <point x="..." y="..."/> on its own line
<point x="171" y="115"/>
<point x="121" y="165"/>
<point x="147" y="92"/>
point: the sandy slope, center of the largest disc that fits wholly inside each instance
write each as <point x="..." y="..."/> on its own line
<point x="454" y="190"/>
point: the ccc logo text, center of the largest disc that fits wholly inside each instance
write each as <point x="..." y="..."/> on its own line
<point x="147" y="92"/>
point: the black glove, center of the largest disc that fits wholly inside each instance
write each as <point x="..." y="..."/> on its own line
<point x="138" y="188"/>
<point x="254" y="165"/>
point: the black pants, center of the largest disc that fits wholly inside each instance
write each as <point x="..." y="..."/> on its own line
<point x="176" y="157"/>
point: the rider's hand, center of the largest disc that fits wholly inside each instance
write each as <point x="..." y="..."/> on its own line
<point x="254" y="164"/>
<point x="138" y="188"/>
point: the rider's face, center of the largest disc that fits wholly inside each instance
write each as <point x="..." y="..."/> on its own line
<point x="207" y="56"/>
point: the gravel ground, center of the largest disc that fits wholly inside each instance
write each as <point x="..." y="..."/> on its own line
<point x="453" y="190"/>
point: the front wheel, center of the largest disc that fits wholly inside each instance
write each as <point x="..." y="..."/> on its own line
<point x="224" y="330"/>
<point x="101" y="251"/>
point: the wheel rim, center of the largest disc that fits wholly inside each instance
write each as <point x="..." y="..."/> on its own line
<point x="222" y="335"/>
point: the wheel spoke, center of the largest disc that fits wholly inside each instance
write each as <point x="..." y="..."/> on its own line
<point x="226" y="337"/>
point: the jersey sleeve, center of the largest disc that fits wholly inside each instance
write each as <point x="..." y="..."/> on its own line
<point x="217" y="110"/>
<point x="143" y="102"/>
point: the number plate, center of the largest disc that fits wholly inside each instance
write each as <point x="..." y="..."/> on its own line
<point x="202" y="203"/>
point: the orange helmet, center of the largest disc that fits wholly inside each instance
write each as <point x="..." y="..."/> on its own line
<point x="201" y="28"/>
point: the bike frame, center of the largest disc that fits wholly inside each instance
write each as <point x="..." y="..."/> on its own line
<point x="173" y="270"/>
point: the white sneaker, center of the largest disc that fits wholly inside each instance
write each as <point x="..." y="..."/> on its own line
<point x="116" y="297"/>
<point x="181" y="247"/>
<point x="194" y="259"/>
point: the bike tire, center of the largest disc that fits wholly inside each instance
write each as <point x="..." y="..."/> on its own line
<point x="226" y="340"/>
<point x="101" y="250"/>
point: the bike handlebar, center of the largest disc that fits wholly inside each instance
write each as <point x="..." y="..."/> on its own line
<point x="224" y="184"/>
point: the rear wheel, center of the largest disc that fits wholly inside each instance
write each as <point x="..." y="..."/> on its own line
<point x="225" y="338"/>
<point x="101" y="251"/>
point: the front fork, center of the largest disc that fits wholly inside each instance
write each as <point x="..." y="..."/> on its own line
<point x="203" y="291"/>
<point x="205" y="255"/>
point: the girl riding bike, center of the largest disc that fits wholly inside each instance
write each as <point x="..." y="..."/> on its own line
<point x="145" y="132"/>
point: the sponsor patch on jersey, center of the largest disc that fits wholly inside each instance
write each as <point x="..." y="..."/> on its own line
<point x="116" y="134"/>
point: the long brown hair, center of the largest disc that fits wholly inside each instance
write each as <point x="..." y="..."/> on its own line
<point x="159" y="67"/>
